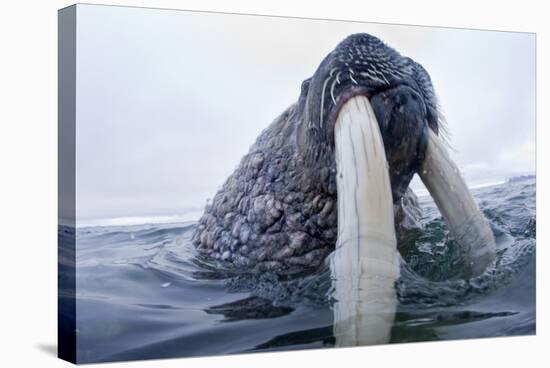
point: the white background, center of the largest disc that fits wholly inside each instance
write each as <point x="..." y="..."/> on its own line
<point x="28" y="182"/>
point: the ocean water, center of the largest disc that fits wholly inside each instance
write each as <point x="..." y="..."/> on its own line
<point x="143" y="293"/>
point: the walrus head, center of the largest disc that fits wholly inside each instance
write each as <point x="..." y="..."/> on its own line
<point x="399" y="91"/>
<point x="332" y="166"/>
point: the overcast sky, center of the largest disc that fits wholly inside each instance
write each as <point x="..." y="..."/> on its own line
<point x="169" y="101"/>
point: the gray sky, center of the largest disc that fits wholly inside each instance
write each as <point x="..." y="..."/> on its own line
<point x="169" y="101"/>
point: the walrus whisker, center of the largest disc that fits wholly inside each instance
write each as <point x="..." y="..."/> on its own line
<point x="383" y="77"/>
<point x="323" y="102"/>
<point x="373" y="75"/>
<point x="332" y="92"/>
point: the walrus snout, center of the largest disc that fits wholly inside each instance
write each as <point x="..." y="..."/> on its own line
<point x="402" y="118"/>
<point x="398" y="89"/>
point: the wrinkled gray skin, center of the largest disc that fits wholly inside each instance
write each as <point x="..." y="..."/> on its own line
<point x="277" y="211"/>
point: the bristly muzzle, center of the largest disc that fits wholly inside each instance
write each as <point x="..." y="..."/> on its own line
<point x="398" y="88"/>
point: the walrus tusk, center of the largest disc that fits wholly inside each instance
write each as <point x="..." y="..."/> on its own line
<point x="365" y="263"/>
<point x="467" y="224"/>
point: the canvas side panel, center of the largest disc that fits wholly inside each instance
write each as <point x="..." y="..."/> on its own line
<point x="66" y="261"/>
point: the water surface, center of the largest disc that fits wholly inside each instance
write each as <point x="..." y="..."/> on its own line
<point x="142" y="293"/>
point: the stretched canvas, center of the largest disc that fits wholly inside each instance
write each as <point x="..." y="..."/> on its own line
<point x="236" y="183"/>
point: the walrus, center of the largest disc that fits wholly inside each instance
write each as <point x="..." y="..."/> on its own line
<point x="335" y="167"/>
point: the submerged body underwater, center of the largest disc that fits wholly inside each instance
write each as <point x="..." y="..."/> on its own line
<point x="144" y="292"/>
